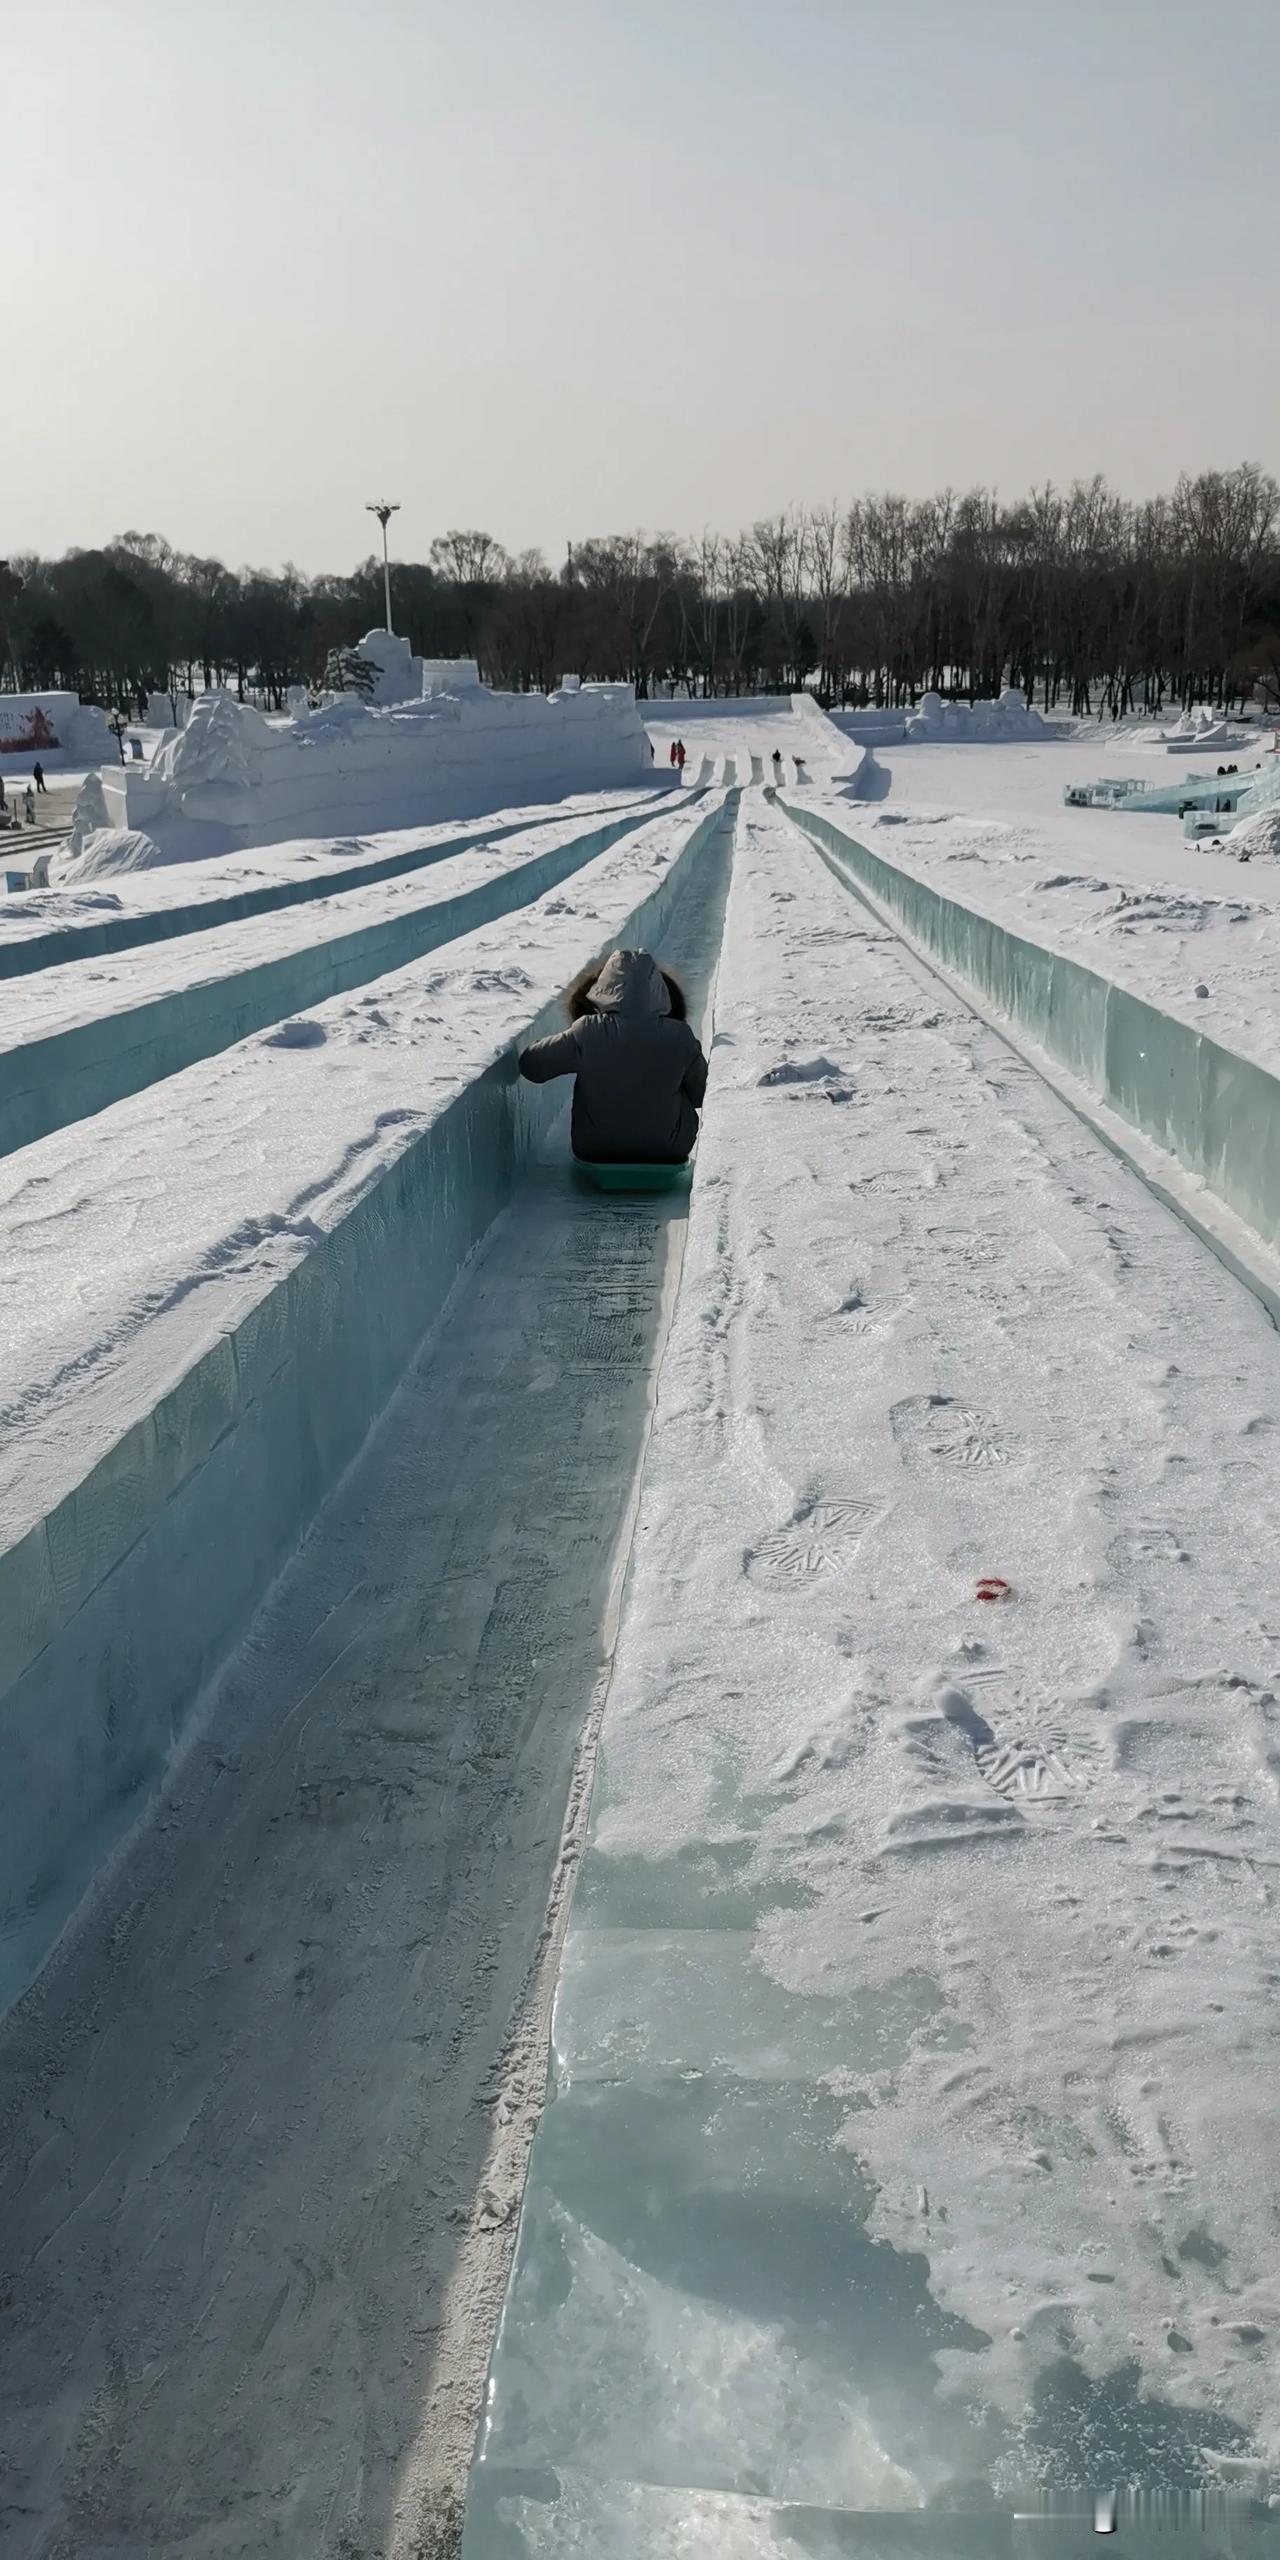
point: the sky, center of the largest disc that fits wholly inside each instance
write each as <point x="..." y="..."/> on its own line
<point x="568" y="267"/>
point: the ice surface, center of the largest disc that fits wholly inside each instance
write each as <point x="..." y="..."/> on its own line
<point x="915" y="2066"/>
<point x="203" y="1311"/>
<point x="296" y="2002"/>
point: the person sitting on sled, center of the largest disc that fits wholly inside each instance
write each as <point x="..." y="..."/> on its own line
<point x="639" y="1071"/>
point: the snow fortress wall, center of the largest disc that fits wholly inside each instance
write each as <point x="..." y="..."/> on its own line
<point x="85" y="1068"/>
<point x="232" y="778"/>
<point x="1216" y="1113"/>
<point x="118" y="1607"/>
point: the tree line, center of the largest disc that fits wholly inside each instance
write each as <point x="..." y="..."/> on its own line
<point x="1089" y="601"/>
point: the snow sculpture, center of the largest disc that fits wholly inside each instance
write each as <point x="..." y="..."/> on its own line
<point x="90" y="813"/>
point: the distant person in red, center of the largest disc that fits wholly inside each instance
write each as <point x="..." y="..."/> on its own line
<point x="674" y="752"/>
<point x="680" y="756"/>
<point x="37" y="776"/>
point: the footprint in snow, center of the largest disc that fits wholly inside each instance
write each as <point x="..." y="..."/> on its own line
<point x="816" y="1542"/>
<point x="942" y="1428"/>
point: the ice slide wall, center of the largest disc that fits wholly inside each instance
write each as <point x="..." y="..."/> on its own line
<point x="119" y="1607"/>
<point x="74" y="1073"/>
<point x="1217" y="1114"/>
<point x="80" y="941"/>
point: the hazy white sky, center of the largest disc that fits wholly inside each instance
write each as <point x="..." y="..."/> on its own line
<point x="562" y="267"/>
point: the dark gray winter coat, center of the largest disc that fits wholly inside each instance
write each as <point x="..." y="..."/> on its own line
<point x="640" y="1075"/>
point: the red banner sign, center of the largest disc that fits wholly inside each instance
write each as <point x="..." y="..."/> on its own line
<point x="36" y="731"/>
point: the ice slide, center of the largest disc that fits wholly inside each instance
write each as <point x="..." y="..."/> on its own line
<point x="89" y="918"/>
<point x="74" y="1042"/>
<point x="903" y="2173"/>
<point x="914" y="2071"/>
<point x="207" y="1294"/>
<point x="1178" y="1102"/>
<point x="258" y="2191"/>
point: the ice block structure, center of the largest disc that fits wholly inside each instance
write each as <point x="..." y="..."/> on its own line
<point x="266" y="1256"/>
<point x="71" y="1044"/>
<point x="1214" y="1112"/>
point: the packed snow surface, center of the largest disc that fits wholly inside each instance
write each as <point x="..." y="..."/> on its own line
<point x="916" y="2061"/>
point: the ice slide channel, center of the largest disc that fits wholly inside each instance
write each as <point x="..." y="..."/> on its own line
<point x="78" y="938"/>
<point x="120" y="1603"/>
<point x="1217" y="1114"/>
<point x="251" y="2152"/>
<point x="72" y="1045"/>
<point x="737" y="2324"/>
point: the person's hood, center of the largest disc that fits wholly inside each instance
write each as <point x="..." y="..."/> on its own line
<point x="630" y="982"/>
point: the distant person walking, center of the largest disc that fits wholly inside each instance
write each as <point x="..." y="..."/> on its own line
<point x="680" y="757"/>
<point x="29" y="806"/>
<point x="777" y="764"/>
<point x="674" y="756"/>
<point x="37" y="776"/>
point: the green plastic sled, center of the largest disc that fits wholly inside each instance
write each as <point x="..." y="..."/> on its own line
<point x="636" y="1177"/>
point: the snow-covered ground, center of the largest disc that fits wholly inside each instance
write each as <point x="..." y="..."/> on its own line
<point x="1127" y="894"/>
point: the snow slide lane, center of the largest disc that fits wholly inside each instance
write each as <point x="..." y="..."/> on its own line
<point x="916" y="2061"/>
<point x="204" y="1307"/>
<point x="265" y="2128"/>
<point x="86" y="920"/>
<point x="75" y="1041"/>
<point x="1212" y="1112"/>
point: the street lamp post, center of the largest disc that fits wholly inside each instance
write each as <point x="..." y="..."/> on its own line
<point x="384" y="509"/>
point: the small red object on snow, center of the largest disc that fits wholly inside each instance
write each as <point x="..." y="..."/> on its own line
<point x="994" y="1587"/>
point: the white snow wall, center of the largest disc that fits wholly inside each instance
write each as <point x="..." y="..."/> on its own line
<point x="233" y="779"/>
<point x="1217" y="1114"/>
<point x="118" y="1608"/>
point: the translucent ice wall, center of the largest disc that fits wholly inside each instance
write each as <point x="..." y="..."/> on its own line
<point x="1216" y="1113"/>
<point x="46" y="1082"/>
<point x="119" y="1605"/>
